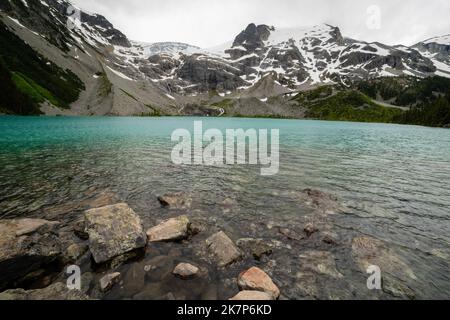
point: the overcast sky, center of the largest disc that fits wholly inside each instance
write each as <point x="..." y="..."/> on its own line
<point x="208" y="23"/>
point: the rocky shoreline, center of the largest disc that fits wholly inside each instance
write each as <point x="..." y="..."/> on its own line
<point x="121" y="258"/>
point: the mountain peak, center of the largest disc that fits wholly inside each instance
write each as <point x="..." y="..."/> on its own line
<point x="253" y="37"/>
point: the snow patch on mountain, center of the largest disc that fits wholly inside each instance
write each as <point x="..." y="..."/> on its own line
<point x="443" y="40"/>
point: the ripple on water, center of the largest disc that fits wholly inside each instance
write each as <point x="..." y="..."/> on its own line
<point x="393" y="179"/>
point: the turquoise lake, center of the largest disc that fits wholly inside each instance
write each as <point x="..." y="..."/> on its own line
<point x="393" y="180"/>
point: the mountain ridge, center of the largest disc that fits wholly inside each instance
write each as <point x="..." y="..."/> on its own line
<point x="124" y="77"/>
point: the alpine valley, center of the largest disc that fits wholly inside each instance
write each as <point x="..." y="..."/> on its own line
<point x="55" y="64"/>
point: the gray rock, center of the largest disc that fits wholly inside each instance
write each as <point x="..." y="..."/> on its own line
<point x="57" y="291"/>
<point x="26" y="245"/>
<point x="210" y="73"/>
<point x="87" y="279"/>
<point x="223" y="248"/>
<point x="185" y="270"/>
<point x="170" y="230"/>
<point x="109" y="280"/>
<point x="113" y="231"/>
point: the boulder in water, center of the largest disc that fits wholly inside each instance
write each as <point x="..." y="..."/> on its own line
<point x="257" y="280"/>
<point x="113" y="231"/>
<point x="223" y="249"/>
<point x="170" y="230"/>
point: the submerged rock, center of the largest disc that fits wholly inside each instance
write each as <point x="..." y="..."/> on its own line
<point x="57" y="291"/>
<point x="185" y="270"/>
<point x="134" y="279"/>
<point x="291" y="234"/>
<point x="397" y="289"/>
<point x="322" y="202"/>
<point x="395" y="272"/>
<point x="158" y="268"/>
<point x="330" y="238"/>
<point x="177" y="200"/>
<point x="257" y="280"/>
<point x="369" y="251"/>
<point x="322" y="262"/>
<point x="306" y="284"/>
<point x="109" y="280"/>
<point x="26" y="245"/>
<point x="310" y="229"/>
<point x="249" y="295"/>
<point x="223" y="248"/>
<point x="113" y="231"/>
<point x="170" y="230"/>
<point x="197" y="227"/>
<point x="256" y="247"/>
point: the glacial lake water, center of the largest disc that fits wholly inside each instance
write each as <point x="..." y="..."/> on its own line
<point x="393" y="180"/>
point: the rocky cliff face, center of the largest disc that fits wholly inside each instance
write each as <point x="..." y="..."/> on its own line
<point x="438" y="51"/>
<point x="125" y="77"/>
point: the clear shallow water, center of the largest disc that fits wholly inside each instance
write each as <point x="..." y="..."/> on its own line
<point x="394" y="181"/>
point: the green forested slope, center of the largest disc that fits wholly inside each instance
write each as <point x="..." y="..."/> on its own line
<point x="24" y="70"/>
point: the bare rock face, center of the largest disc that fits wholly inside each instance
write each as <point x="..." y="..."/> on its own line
<point x="57" y="291"/>
<point x="257" y="280"/>
<point x="253" y="37"/>
<point x="26" y="245"/>
<point x="249" y="295"/>
<point x="223" y="248"/>
<point x="109" y="280"/>
<point x="113" y="231"/>
<point x="185" y="271"/>
<point x="170" y="230"/>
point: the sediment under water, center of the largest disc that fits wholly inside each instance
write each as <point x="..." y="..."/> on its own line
<point x="392" y="180"/>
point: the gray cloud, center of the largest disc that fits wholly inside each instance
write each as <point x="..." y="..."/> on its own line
<point x="210" y="22"/>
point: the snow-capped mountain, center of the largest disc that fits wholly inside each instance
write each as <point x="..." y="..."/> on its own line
<point x="295" y="58"/>
<point x="129" y="77"/>
<point x="172" y="48"/>
<point x="438" y="51"/>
